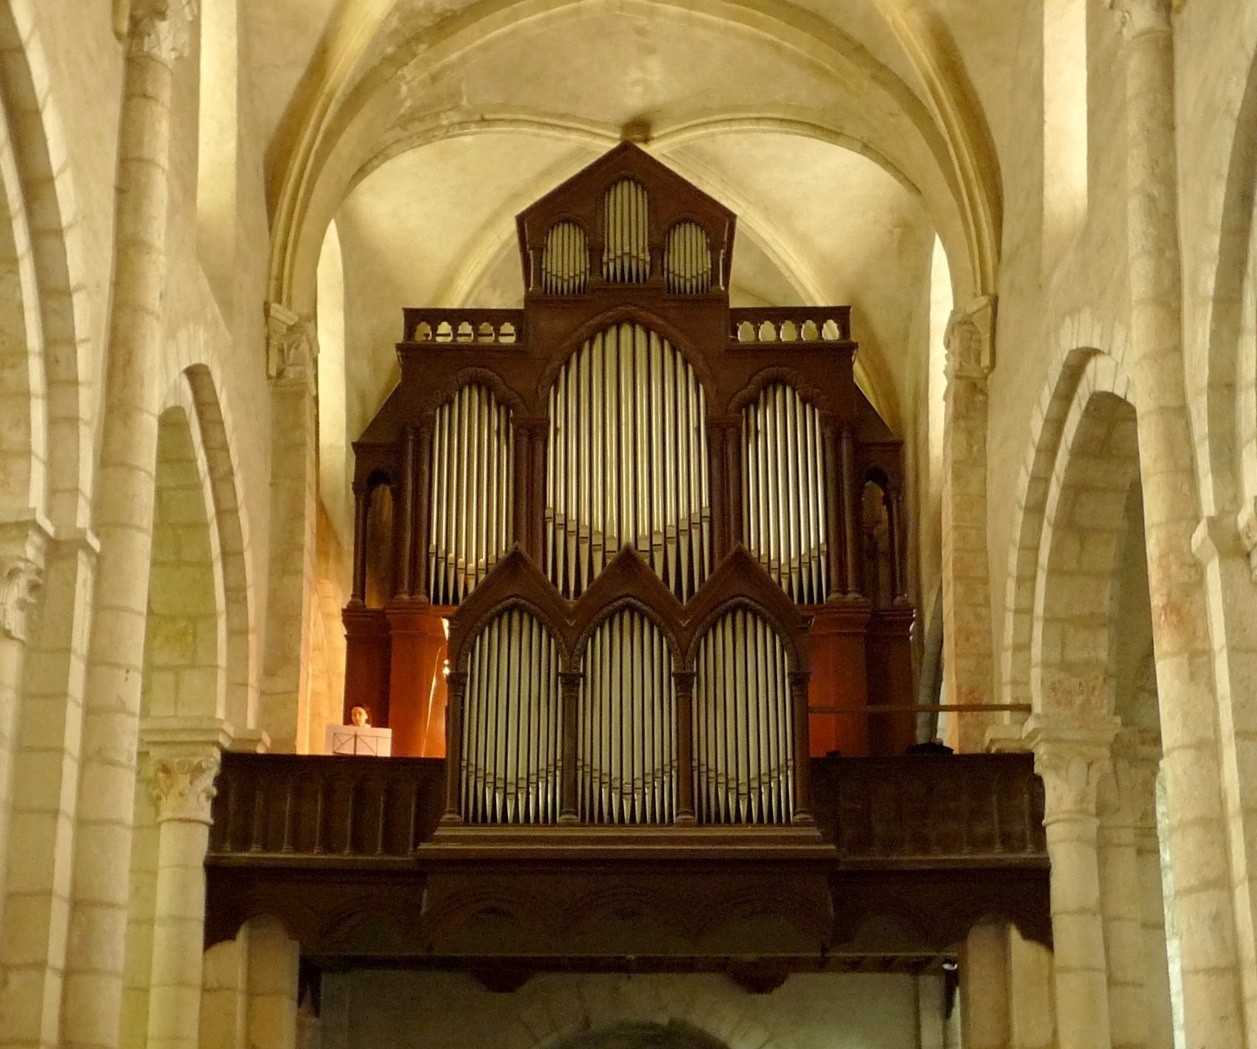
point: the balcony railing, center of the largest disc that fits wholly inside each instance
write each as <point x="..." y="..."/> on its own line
<point x="756" y="325"/>
<point x="470" y="326"/>
<point x="941" y="811"/>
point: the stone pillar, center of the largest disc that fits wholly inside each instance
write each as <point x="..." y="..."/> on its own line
<point x="1198" y="823"/>
<point x="22" y="546"/>
<point x="282" y="710"/>
<point x="1072" y="756"/>
<point x="157" y="36"/>
<point x="1031" y="1022"/>
<point x="1227" y="550"/>
<point x="983" y="974"/>
<point x="273" y="964"/>
<point x="968" y="666"/>
<point x="1127" y="802"/>
<point x="184" y="757"/>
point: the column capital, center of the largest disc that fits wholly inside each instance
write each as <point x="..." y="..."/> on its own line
<point x="1136" y="763"/>
<point x="291" y="344"/>
<point x="1246" y="524"/>
<point x="969" y="339"/>
<point x="158" y="29"/>
<point x="1072" y="754"/>
<point x="184" y="756"/>
<point x="1137" y="17"/>
<point x="24" y="540"/>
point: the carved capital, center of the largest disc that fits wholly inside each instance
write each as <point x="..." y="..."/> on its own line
<point x="1072" y="755"/>
<point x="159" y="29"/>
<point x="1247" y="524"/>
<point x="1137" y="17"/>
<point x="20" y="583"/>
<point x="969" y="340"/>
<point x="183" y="759"/>
<point x="25" y="537"/>
<point x="183" y="785"/>
<point x="291" y="344"/>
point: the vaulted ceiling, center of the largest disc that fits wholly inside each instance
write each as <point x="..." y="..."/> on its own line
<point x="845" y="133"/>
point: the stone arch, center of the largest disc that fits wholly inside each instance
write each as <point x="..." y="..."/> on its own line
<point x="185" y="643"/>
<point x="231" y="529"/>
<point x="550" y="1019"/>
<point x="42" y="204"/>
<point x="190" y="373"/>
<point x="628" y="1034"/>
<point x="1227" y="445"/>
<point x="1084" y="519"/>
<point x="323" y="131"/>
<point x="1076" y="355"/>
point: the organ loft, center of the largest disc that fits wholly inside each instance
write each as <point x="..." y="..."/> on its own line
<point x="629" y="593"/>
<point x="666" y="535"/>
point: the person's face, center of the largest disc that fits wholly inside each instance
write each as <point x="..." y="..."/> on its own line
<point x="358" y="716"/>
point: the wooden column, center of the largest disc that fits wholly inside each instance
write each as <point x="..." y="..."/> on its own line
<point x="850" y="511"/>
<point x="403" y="517"/>
<point x="362" y="506"/>
<point x="684" y="681"/>
<point x="457" y="685"/>
<point x="802" y="756"/>
<point x="570" y="683"/>
<point x="833" y="501"/>
<point x="421" y="513"/>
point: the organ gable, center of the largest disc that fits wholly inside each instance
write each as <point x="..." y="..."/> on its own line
<point x="665" y="537"/>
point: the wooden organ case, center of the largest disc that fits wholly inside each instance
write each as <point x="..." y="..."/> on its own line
<point x="629" y="556"/>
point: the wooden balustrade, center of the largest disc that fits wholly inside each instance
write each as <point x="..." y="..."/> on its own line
<point x="930" y="808"/>
<point x="287" y="804"/>
<point x="474" y="326"/>
<point x="874" y="811"/>
<point x="756" y="325"/>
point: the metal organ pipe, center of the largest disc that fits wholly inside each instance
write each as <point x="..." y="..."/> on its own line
<point x="743" y="724"/>
<point x="784" y="497"/>
<point x="687" y="260"/>
<point x="512" y="730"/>
<point x="472" y="481"/>
<point x="627" y="463"/>
<point x="626" y="763"/>
<point x="565" y="260"/>
<point x="626" y="233"/>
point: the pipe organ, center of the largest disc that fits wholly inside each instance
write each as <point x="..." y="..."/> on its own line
<point x="627" y="462"/>
<point x="638" y="570"/>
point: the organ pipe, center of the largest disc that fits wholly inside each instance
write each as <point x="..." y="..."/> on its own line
<point x="512" y="725"/>
<point x="687" y="260"/>
<point x="743" y="724"/>
<point x="626" y="764"/>
<point x="565" y="260"/>
<point x="626" y="233"/>
<point x="784" y="511"/>
<point x="472" y="493"/>
<point x="627" y="463"/>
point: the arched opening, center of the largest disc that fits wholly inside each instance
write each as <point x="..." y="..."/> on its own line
<point x="636" y="1035"/>
<point x="185" y="649"/>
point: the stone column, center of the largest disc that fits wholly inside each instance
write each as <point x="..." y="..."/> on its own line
<point x="273" y="972"/>
<point x="1031" y="1020"/>
<point x="292" y="350"/>
<point x="157" y="36"/>
<point x="968" y="667"/>
<point x="22" y="546"/>
<point x="983" y="974"/>
<point x="1127" y="801"/>
<point x="184" y="758"/>
<point x="1227" y="551"/>
<point x="1072" y="756"/>
<point x="1198" y="823"/>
